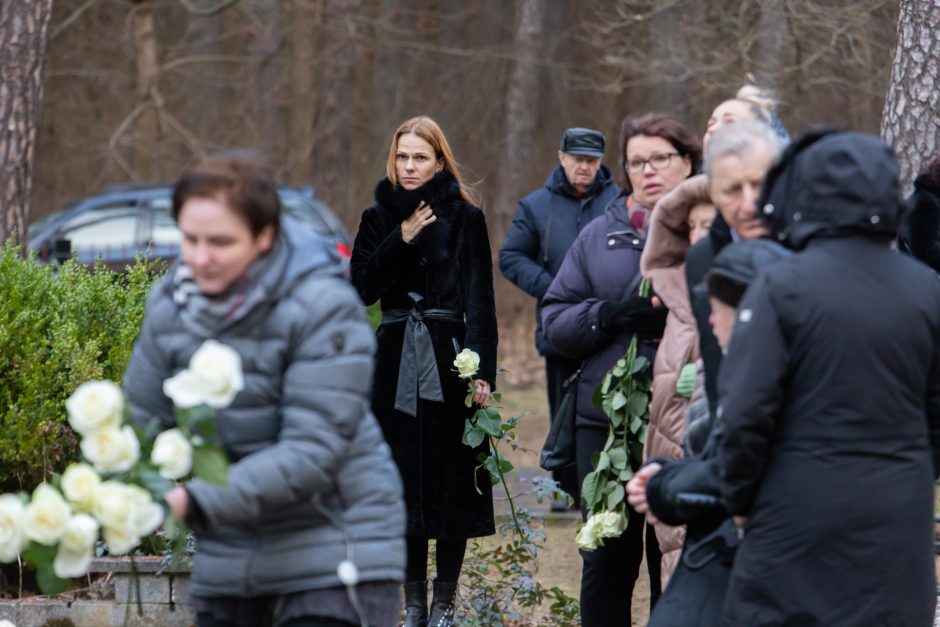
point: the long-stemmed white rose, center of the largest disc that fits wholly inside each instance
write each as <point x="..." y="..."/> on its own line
<point x="46" y="516"/>
<point x="173" y="453"/>
<point x="112" y="450"/>
<point x="79" y="483"/>
<point x="76" y="547"/>
<point x="12" y="538"/>
<point x="213" y="378"/>
<point x="95" y="405"/>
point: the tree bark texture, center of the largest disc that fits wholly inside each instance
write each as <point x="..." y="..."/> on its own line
<point x="911" y="118"/>
<point x="147" y="68"/>
<point x="24" y="32"/>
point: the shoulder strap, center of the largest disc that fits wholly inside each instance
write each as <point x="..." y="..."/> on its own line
<point x="633" y="286"/>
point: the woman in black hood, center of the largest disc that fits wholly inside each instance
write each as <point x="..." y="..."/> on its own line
<point x="830" y="401"/>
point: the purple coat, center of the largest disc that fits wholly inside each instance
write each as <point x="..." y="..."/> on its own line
<point x="599" y="267"/>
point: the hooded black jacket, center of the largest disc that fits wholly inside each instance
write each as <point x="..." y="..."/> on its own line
<point x="919" y="235"/>
<point x="830" y="400"/>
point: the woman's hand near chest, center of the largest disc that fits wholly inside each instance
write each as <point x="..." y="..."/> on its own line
<point x="416" y="222"/>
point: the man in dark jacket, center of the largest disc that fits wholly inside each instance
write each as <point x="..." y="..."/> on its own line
<point x="546" y="224"/>
<point x="736" y="158"/>
<point x="830" y="401"/>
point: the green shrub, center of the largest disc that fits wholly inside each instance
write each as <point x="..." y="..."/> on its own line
<point x="59" y="327"/>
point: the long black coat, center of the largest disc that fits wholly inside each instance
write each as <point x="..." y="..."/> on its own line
<point x="450" y="265"/>
<point x="830" y="397"/>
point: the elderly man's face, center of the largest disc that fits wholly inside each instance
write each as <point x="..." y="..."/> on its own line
<point x="734" y="186"/>
<point x="580" y="170"/>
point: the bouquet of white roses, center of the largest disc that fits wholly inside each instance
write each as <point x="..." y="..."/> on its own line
<point x="624" y="395"/>
<point x="117" y="491"/>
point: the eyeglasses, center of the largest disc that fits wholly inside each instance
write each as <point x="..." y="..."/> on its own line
<point x="657" y="162"/>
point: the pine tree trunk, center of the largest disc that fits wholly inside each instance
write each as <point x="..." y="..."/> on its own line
<point x="146" y="67"/>
<point x="911" y="118"/>
<point x="24" y="32"/>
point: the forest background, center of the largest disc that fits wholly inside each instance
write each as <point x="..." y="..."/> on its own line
<point x="135" y="89"/>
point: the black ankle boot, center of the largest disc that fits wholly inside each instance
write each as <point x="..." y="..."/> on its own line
<point x="442" y="604"/>
<point x="416" y="604"/>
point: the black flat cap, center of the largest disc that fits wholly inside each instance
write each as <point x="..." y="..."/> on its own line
<point x="582" y="141"/>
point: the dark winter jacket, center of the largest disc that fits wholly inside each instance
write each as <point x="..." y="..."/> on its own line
<point x="311" y="481"/>
<point x="599" y="268"/>
<point x="546" y="224"/>
<point x="698" y="261"/>
<point x="830" y="395"/>
<point x="919" y="234"/>
<point x="450" y="266"/>
<point x="696" y="591"/>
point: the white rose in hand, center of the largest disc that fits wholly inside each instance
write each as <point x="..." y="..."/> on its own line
<point x="79" y="484"/>
<point x="587" y="537"/>
<point x="173" y="453"/>
<point x="95" y="405"/>
<point x="76" y="547"/>
<point x="111" y="449"/>
<point x="610" y="524"/>
<point x="467" y="363"/>
<point x="127" y="513"/>
<point x="213" y="378"/>
<point x="46" y="516"/>
<point x="12" y="538"/>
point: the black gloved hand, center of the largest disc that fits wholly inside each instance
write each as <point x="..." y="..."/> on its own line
<point x="635" y="315"/>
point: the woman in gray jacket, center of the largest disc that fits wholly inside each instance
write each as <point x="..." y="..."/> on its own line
<point x="311" y="482"/>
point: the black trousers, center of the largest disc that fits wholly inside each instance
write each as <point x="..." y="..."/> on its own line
<point x="205" y="619"/>
<point x="609" y="573"/>
<point x="557" y="371"/>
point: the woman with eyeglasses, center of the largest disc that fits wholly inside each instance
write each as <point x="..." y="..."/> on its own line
<point x="591" y="311"/>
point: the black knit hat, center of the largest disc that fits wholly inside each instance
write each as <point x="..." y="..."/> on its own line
<point x="582" y="141"/>
<point x="739" y="262"/>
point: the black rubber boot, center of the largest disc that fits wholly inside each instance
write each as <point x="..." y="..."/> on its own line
<point x="442" y="604"/>
<point x="416" y="604"/>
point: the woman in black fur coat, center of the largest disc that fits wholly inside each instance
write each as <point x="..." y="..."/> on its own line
<point x="919" y="235"/>
<point x="423" y="250"/>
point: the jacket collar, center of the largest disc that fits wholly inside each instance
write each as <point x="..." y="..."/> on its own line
<point x="557" y="183"/>
<point x="439" y="193"/>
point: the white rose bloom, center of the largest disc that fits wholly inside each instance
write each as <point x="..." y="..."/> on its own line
<point x="80" y="534"/>
<point x="147" y="514"/>
<point x="214" y="378"/>
<point x="610" y="524"/>
<point x="79" y="484"/>
<point x="47" y="515"/>
<point x="173" y="453"/>
<point x="6" y="623"/>
<point x="127" y="513"/>
<point x="120" y="541"/>
<point x="12" y="538"/>
<point x="587" y="535"/>
<point x="467" y="363"/>
<point x="68" y="564"/>
<point x="111" y="450"/>
<point x="95" y="405"/>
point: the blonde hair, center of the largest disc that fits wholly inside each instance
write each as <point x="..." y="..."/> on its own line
<point x="427" y="129"/>
<point x="763" y="98"/>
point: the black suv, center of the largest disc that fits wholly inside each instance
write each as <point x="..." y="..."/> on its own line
<point x="122" y="221"/>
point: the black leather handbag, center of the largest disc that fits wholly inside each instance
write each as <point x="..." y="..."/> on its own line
<point x="558" y="451"/>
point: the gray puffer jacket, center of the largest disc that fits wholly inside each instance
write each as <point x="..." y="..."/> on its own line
<point x="311" y="481"/>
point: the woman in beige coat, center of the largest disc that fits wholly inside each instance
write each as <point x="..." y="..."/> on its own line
<point x="674" y="370"/>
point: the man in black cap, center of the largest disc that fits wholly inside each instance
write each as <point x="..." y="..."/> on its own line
<point x="547" y="222"/>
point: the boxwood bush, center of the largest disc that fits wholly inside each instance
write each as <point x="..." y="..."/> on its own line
<point x="59" y="327"/>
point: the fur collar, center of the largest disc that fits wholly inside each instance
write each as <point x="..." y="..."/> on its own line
<point x="437" y="242"/>
<point x="440" y="193"/>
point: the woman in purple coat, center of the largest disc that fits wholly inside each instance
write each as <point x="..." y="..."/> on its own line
<point x="588" y="315"/>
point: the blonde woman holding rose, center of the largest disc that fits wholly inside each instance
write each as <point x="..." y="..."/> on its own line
<point x="423" y="249"/>
<point x="308" y="530"/>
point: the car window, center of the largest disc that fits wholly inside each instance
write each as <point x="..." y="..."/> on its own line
<point x="164" y="231"/>
<point x="305" y="212"/>
<point x="105" y="230"/>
